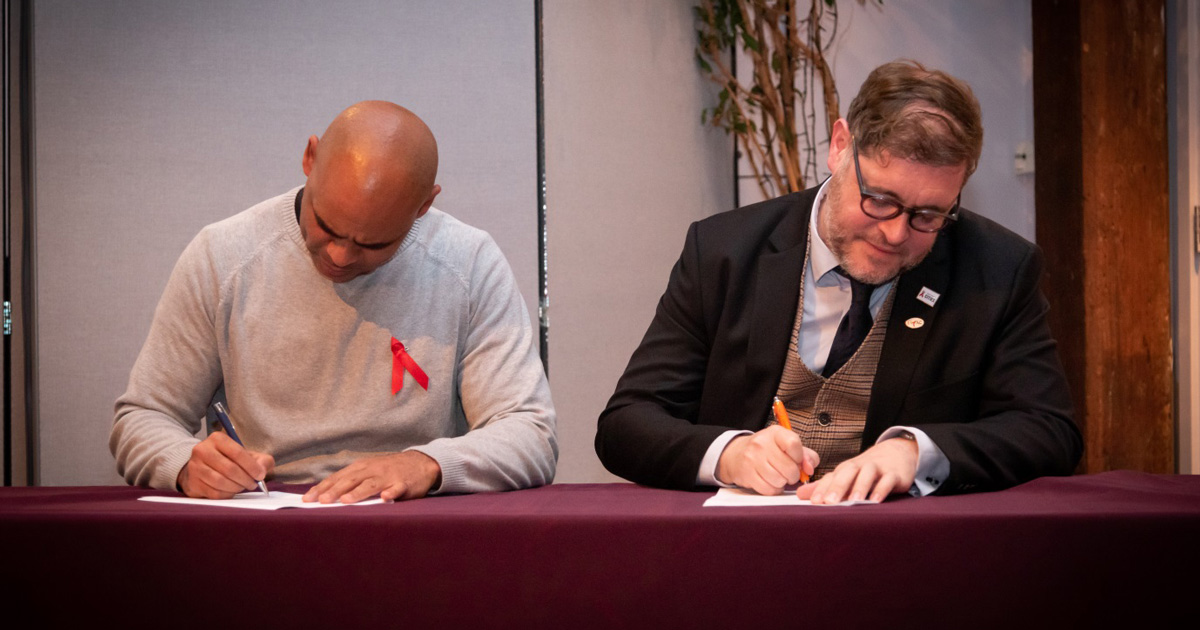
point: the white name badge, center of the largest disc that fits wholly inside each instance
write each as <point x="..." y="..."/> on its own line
<point x="928" y="296"/>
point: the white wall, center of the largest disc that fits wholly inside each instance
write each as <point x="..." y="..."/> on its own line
<point x="987" y="43"/>
<point x="628" y="167"/>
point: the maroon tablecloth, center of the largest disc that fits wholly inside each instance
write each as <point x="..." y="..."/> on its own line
<point x="1058" y="552"/>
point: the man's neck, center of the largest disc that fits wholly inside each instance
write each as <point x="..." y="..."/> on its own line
<point x="299" y="195"/>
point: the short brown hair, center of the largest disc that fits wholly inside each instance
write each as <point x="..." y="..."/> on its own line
<point x="923" y="115"/>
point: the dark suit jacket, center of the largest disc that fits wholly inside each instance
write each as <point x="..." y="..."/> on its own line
<point x="982" y="377"/>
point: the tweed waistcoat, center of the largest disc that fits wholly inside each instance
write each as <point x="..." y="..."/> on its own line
<point x="829" y="413"/>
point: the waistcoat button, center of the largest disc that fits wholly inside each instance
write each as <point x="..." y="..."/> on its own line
<point x="824" y="419"/>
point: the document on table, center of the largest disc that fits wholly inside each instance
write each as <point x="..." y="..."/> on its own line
<point x="258" y="501"/>
<point x="737" y="497"/>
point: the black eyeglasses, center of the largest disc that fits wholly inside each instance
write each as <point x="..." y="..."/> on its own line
<point x="882" y="208"/>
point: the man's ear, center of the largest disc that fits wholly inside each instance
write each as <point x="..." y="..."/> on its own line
<point x="310" y="155"/>
<point x="839" y="143"/>
<point x="429" y="202"/>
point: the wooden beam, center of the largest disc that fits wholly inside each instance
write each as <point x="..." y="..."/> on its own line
<point x="1103" y="219"/>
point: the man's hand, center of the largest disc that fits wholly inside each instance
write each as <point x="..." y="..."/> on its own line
<point x="766" y="461"/>
<point x="887" y="467"/>
<point x="220" y="468"/>
<point x="407" y="475"/>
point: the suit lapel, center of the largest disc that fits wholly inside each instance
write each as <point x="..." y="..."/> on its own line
<point x="906" y="337"/>
<point x="776" y="294"/>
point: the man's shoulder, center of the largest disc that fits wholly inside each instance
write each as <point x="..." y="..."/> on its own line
<point x="263" y="216"/>
<point x="743" y="234"/>
<point x="443" y="242"/>
<point x="228" y="244"/>
<point x="980" y="238"/>
<point x="438" y="225"/>
<point x="449" y="239"/>
<point x="764" y="215"/>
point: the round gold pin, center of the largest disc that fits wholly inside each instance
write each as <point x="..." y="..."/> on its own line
<point x="914" y="323"/>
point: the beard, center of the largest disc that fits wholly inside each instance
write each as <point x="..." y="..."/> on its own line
<point x="856" y="250"/>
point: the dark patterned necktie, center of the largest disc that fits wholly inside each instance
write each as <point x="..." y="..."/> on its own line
<point x="854" y="326"/>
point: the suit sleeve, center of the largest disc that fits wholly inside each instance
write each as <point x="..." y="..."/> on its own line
<point x="648" y="433"/>
<point x="1024" y="425"/>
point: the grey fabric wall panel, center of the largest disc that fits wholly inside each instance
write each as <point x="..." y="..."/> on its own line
<point x="155" y="118"/>
<point x="628" y="165"/>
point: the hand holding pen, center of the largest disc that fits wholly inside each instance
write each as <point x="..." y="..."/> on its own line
<point x="221" y="467"/>
<point x="767" y="462"/>
<point x="223" y="417"/>
<point x="781" y="416"/>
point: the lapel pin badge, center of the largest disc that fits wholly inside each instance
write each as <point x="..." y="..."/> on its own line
<point x="928" y="296"/>
<point x="914" y="322"/>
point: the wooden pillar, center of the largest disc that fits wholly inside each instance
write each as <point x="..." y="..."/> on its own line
<point x="1103" y="219"/>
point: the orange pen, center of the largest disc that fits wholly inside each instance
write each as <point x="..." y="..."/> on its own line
<point x="782" y="418"/>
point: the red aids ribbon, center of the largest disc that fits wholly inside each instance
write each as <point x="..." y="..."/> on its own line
<point x="402" y="361"/>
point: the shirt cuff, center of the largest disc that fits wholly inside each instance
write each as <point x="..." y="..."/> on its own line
<point x="707" y="475"/>
<point x="932" y="466"/>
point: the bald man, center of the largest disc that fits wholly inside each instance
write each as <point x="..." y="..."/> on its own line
<point x="364" y="341"/>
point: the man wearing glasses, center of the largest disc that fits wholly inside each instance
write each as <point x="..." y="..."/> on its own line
<point x="905" y="336"/>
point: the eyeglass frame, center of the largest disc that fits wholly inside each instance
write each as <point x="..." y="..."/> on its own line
<point x="949" y="217"/>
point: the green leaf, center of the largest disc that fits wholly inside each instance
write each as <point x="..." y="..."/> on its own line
<point x="751" y="43"/>
<point x="736" y="19"/>
<point x="703" y="64"/>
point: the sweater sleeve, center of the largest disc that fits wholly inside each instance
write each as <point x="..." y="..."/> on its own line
<point x="174" y="377"/>
<point x="511" y="441"/>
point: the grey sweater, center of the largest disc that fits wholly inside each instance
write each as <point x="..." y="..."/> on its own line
<point x="306" y="364"/>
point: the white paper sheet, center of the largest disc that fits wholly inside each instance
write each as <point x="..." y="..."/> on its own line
<point x="737" y="497"/>
<point x="258" y="501"/>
